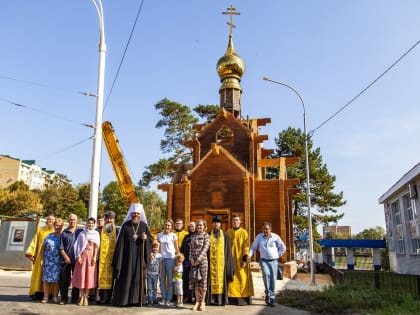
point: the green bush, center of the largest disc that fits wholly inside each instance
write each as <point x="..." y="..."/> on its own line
<point x="346" y="299"/>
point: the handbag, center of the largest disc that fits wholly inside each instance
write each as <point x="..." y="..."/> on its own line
<point x="279" y="273"/>
<point x="195" y="274"/>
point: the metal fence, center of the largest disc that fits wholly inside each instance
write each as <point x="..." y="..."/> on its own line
<point x="360" y="262"/>
<point x="388" y="281"/>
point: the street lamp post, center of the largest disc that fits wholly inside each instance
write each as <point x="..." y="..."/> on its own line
<point x="97" y="140"/>
<point x="308" y="187"/>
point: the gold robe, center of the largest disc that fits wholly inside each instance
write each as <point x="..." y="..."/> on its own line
<point x="106" y="254"/>
<point x="217" y="263"/>
<point x="242" y="285"/>
<point x="34" y="249"/>
<point x="180" y="234"/>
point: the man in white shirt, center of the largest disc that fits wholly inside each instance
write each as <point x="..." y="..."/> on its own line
<point x="271" y="248"/>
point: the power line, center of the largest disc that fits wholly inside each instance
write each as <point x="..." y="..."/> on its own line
<point x="46" y="86"/>
<point x="49" y="155"/>
<point x="125" y="52"/>
<point x="366" y="88"/>
<point x="45" y="113"/>
<point x="75" y="91"/>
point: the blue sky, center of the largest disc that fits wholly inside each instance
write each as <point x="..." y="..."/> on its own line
<point x="328" y="50"/>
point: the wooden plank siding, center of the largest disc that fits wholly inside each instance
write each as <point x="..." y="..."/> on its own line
<point x="271" y="206"/>
<point x="228" y="176"/>
<point x="239" y="147"/>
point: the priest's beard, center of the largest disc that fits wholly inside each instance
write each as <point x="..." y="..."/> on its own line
<point x="135" y="220"/>
<point x="108" y="227"/>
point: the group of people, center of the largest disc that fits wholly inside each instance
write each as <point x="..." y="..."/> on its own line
<point x="76" y="257"/>
<point x="124" y="267"/>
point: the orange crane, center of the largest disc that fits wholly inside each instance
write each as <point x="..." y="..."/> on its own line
<point x="125" y="184"/>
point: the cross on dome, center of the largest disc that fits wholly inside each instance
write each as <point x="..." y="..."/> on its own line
<point x="231" y="13"/>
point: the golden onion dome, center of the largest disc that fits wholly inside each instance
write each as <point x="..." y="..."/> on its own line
<point x="231" y="64"/>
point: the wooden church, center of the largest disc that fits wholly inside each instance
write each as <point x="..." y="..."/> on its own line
<point x="228" y="171"/>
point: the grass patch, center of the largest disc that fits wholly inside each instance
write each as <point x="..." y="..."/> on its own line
<point x="346" y="299"/>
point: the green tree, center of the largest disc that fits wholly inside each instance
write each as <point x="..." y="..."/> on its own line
<point x="79" y="209"/>
<point x="324" y="201"/>
<point x="83" y="191"/>
<point x="20" y="202"/>
<point x="208" y="112"/>
<point x="338" y="235"/>
<point x="153" y="204"/>
<point x="376" y="233"/>
<point x="112" y="200"/>
<point x="156" y="172"/>
<point x="178" y="121"/>
<point x="59" y="180"/>
<point x="323" y="198"/>
<point x="154" y="207"/>
<point x="60" y="199"/>
<point x="18" y="185"/>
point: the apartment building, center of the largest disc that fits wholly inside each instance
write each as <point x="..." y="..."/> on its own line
<point x="13" y="170"/>
<point x="401" y="206"/>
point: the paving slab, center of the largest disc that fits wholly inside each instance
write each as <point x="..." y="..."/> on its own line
<point x="14" y="288"/>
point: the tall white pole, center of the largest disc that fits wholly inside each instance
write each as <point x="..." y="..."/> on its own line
<point x="97" y="140"/>
<point x="308" y="186"/>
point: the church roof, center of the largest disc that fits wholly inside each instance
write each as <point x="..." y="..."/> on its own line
<point x="217" y="150"/>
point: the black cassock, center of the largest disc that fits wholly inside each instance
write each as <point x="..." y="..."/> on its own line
<point x="128" y="263"/>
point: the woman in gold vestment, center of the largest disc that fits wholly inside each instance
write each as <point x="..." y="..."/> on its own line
<point x="33" y="253"/>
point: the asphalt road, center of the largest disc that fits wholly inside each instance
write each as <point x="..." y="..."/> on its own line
<point x="14" y="288"/>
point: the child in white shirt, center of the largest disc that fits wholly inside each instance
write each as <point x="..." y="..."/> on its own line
<point x="177" y="279"/>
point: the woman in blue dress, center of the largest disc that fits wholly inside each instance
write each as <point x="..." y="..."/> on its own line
<point x="51" y="261"/>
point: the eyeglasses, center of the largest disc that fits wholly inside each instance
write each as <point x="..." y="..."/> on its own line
<point x="58" y="226"/>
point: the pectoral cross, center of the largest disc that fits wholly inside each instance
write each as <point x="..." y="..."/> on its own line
<point x="231" y="13"/>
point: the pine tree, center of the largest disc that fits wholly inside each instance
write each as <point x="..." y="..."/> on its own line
<point x="324" y="201"/>
<point x="178" y="121"/>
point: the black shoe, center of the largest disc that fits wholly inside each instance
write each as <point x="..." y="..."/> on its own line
<point x="241" y="302"/>
<point x="38" y="296"/>
<point x="270" y="302"/>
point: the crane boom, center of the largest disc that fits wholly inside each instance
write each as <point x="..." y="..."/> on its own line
<point x="125" y="183"/>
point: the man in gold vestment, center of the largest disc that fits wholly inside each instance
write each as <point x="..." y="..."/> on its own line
<point x="241" y="289"/>
<point x="33" y="253"/>
<point x="221" y="267"/>
<point x="108" y="236"/>
<point x="179" y="231"/>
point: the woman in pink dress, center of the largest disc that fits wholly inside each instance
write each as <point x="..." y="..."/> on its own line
<point x="85" y="253"/>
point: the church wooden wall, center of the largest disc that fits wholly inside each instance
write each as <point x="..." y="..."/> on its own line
<point x="240" y="146"/>
<point x="178" y="201"/>
<point x="270" y="207"/>
<point x="217" y="188"/>
<point x="217" y="175"/>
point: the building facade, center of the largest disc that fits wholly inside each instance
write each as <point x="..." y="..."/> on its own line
<point x="13" y="170"/>
<point x="401" y="206"/>
<point x="333" y="230"/>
